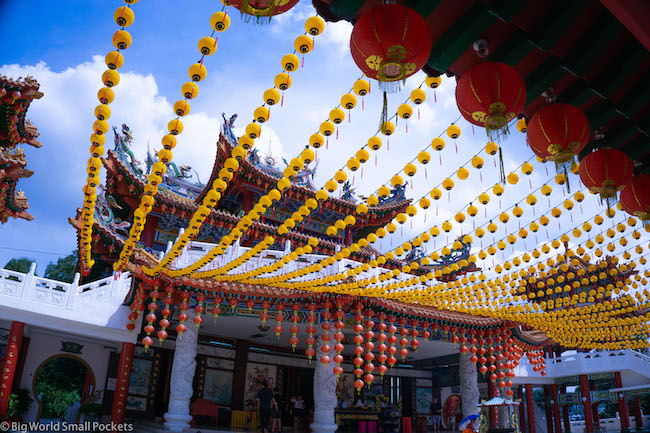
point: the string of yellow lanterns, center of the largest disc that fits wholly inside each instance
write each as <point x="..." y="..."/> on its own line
<point x="124" y="17"/>
<point x="207" y="45"/>
<point x="290" y="62"/>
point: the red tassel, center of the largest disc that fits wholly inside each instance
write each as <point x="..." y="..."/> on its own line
<point x="547" y="170"/>
<point x="418" y="113"/>
<point x="363" y="104"/>
<point x="530" y="184"/>
<point x="387" y="144"/>
<point x="440" y="157"/>
<point x="425" y="173"/>
<point x="361" y="172"/>
<point x="473" y="132"/>
<point x="369" y="85"/>
<point x="407" y="128"/>
<point x="303" y="61"/>
<point x="375" y="160"/>
<point x="481" y="175"/>
<point x="425" y="217"/>
<point x="435" y="98"/>
<point x="456" y="145"/>
<point x="337" y="133"/>
<point x="327" y="143"/>
<point x="282" y="100"/>
<point x="349" y="116"/>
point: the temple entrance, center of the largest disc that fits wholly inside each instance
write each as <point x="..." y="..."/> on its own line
<point x="61" y="385"/>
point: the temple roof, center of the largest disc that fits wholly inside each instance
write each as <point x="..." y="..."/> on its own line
<point x="15" y="97"/>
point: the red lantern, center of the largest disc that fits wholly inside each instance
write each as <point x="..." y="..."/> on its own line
<point x="390" y="42"/>
<point x="262" y="8"/>
<point x="606" y="171"/>
<point x="491" y="94"/>
<point x="635" y="197"/>
<point x="558" y="132"/>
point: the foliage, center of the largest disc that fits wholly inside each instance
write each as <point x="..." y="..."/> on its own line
<point x="19" y="402"/>
<point x="91" y="409"/>
<point x="21" y="265"/>
<point x="64" y="269"/>
<point x="59" y="383"/>
<point x="538" y="398"/>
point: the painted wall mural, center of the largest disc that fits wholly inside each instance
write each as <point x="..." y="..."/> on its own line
<point x="256" y="374"/>
<point x="218" y="386"/>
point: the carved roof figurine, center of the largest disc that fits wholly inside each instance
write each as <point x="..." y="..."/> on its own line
<point x="15" y="98"/>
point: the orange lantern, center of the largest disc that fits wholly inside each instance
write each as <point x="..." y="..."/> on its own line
<point x="491" y="94"/>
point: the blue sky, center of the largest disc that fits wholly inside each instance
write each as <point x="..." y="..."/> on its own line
<point x="62" y="45"/>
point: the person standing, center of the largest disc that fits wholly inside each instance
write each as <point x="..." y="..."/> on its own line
<point x="298" y="412"/>
<point x="436" y="416"/>
<point x="276" y="411"/>
<point x="265" y="398"/>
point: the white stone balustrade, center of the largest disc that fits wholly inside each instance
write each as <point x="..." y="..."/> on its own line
<point x="41" y="301"/>
<point x="584" y="363"/>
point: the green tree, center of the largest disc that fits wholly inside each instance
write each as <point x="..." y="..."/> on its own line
<point x="19" y="265"/>
<point x="64" y="268"/>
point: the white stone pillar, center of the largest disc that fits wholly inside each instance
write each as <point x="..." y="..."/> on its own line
<point x="325" y="399"/>
<point x="468" y="384"/>
<point x="178" y="415"/>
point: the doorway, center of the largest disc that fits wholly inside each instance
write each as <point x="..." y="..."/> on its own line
<point x="60" y="383"/>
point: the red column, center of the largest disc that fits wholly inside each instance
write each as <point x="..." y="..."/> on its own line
<point x="247" y="200"/>
<point x="522" y="414"/>
<point x="586" y="403"/>
<point x="565" y="417"/>
<point x="556" y="408"/>
<point x="530" y="408"/>
<point x="638" y="418"/>
<point x="9" y="366"/>
<point x="547" y="405"/>
<point x="122" y="385"/>
<point x="623" y="412"/>
<point x="492" y="392"/>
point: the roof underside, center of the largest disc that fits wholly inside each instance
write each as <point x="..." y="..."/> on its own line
<point x="591" y="58"/>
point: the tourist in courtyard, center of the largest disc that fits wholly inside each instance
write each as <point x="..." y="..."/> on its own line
<point x="266" y="400"/>
<point x="436" y="417"/>
<point x="298" y="409"/>
<point x="276" y="411"/>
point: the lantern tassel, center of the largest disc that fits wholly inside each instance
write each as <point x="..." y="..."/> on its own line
<point x="384" y="112"/>
<point x="502" y="171"/>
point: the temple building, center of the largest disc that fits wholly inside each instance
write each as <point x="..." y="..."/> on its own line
<point x="15" y="129"/>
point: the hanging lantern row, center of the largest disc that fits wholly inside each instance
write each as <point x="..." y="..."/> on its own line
<point x="123" y="17"/>
<point x="283" y="81"/>
<point x="197" y="72"/>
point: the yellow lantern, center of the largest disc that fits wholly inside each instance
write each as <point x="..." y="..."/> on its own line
<point x="531" y="200"/>
<point x="114" y="60"/>
<point x="207" y="45"/>
<point x="433" y="82"/>
<point x="401" y="217"/>
<point x="340" y="176"/>
<point x="448" y="184"/>
<point x="436" y="193"/>
<point x="484" y="198"/>
<point x="397" y="180"/>
<point x="290" y="62"/>
<point x="404" y="111"/>
<point x="560" y="179"/>
<point x="460" y="217"/>
<point x="303" y="44"/>
<point x="330" y="185"/>
<point x="327" y="128"/>
<point x="521" y="125"/>
<point x="383" y="191"/>
<point x="453" y="131"/>
<point x="253" y="130"/>
<point x="527" y="168"/>
<point x="337" y="115"/>
<point x="438" y="143"/>
<point x="349" y="101"/>
<point x="374" y="143"/>
<point x="446" y="227"/>
<point x="271" y="96"/>
<point x="491" y="148"/>
<point x="361" y="87"/>
<point x="462" y="173"/>
<point x="316" y="140"/>
<point x="477" y="162"/>
<point x="307" y="155"/>
<point x="504" y="217"/>
<point x="282" y="81"/>
<point x="314" y="25"/>
<point x="424" y="203"/>
<point x="472" y="210"/>
<point x="424" y="157"/>
<point x="517" y="211"/>
<point x="220" y="21"/>
<point x="418" y="96"/>
<point x="387" y="128"/>
<point x="497" y="189"/>
<point x="110" y="78"/>
<point x="122" y="39"/>
<point x="261" y="114"/>
<point x="124" y="16"/>
<point x="410" y="170"/>
<point x="353" y="164"/>
<point x="513" y="178"/>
